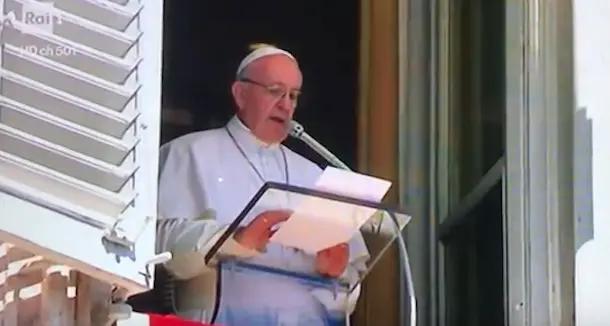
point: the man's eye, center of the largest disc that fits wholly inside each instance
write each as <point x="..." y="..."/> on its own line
<point x="276" y="92"/>
<point x="294" y="96"/>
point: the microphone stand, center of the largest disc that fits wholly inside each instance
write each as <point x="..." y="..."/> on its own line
<point x="298" y="131"/>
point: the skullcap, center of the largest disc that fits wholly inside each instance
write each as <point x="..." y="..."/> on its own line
<point x="261" y="51"/>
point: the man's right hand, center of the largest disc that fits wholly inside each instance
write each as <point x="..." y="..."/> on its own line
<point x="257" y="233"/>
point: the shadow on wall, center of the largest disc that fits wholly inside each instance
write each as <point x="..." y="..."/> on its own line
<point x="583" y="178"/>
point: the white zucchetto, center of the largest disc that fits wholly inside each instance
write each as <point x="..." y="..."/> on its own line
<point x="262" y="52"/>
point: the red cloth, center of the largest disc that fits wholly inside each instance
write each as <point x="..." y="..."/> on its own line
<point x="158" y="320"/>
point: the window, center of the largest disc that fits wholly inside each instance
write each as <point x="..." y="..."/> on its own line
<point x="470" y="152"/>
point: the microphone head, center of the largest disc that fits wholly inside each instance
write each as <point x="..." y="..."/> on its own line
<point x="296" y="129"/>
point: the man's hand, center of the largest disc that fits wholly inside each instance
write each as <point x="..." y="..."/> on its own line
<point x="333" y="261"/>
<point x="257" y="233"/>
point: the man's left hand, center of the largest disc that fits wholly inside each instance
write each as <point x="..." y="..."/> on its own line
<point x="333" y="261"/>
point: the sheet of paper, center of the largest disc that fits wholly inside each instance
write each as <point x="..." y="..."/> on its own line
<point x="319" y="223"/>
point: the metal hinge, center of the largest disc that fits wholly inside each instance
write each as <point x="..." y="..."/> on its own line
<point x="121" y="237"/>
<point x="159" y="259"/>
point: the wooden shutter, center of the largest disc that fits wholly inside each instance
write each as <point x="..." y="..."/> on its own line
<point x="79" y="133"/>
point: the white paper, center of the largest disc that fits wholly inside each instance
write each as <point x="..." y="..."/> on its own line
<point x="321" y="223"/>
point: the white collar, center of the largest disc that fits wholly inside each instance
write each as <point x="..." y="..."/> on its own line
<point x="235" y="124"/>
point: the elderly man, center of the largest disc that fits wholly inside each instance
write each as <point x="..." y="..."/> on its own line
<point x="213" y="174"/>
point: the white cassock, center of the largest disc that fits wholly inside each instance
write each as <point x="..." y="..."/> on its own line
<point x="220" y="170"/>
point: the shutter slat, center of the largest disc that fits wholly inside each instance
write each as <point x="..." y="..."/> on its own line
<point x="94" y="35"/>
<point x="67" y="79"/>
<point x="16" y="171"/>
<point x="69" y="53"/>
<point x="105" y="13"/>
<point x="83" y="31"/>
<point x="65" y="133"/>
<point x="64" y="160"/>
<point x="66" y="106"/>
<point x="119" y="2"/>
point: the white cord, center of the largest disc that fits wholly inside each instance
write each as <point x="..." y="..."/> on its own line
<point x="402" y="248"/>
<point x="298" y="131"/>
<point x="347" y="315"/>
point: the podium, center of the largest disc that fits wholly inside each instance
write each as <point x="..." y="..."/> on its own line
<point x="323" y="219"/>
<point x="150" y="319"/>
<point x="159" y="320"/>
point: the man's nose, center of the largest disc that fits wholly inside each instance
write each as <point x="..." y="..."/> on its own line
<point x="286" y="103"/>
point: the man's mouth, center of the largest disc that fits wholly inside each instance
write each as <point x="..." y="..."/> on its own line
<point x="278" y="120"/>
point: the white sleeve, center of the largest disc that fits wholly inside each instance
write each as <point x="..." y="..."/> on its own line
<point x="180" y="230"/>
<point x="181" y="190"/>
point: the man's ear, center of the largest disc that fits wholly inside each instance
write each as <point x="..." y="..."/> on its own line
<point x="237" y="90"/>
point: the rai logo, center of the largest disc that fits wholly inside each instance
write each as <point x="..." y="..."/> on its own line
<point x="35" y="17"/>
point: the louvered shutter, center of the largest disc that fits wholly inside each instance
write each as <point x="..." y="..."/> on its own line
<point x="79" y="133"/>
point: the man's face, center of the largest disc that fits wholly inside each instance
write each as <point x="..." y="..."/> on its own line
<point x="267" y="95"/>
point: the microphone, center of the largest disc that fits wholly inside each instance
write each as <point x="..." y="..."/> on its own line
<point x="298" y="131"/>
